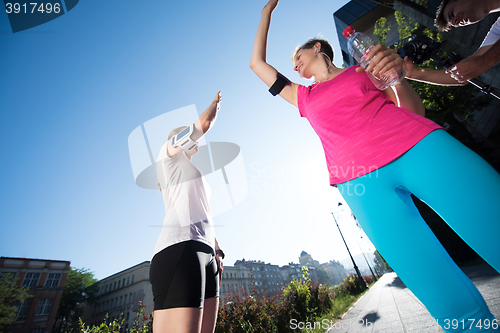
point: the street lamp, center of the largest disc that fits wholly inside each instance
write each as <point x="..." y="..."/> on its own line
<point x="360" y="277"/>
<point x="369" y="267"/>
<point x="374" y="268"/>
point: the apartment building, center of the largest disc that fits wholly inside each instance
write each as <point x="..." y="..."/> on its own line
<point x="266" y="277"/>
<point x="46" y="280"/>
<point x="119" y="296"/>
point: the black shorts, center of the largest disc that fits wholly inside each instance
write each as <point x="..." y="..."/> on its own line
<point x="184" y="275"/>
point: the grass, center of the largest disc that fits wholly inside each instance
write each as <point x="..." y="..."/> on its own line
<point x="340" y="306"/>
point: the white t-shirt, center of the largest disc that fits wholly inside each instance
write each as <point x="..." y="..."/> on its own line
<point x="185" y="195"/>
<point x="493" y="35"/>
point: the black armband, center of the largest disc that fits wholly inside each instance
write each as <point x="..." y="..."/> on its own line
<point x="279" y="84"/>
<point x="220" y="252"/>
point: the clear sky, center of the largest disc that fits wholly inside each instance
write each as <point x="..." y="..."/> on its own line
<point x="73" y="89"/>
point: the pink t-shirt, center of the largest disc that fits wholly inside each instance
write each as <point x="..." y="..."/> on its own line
<point x="360" y="129"/>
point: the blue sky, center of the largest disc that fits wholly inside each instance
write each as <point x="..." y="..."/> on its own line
<point x="73" y="89"/>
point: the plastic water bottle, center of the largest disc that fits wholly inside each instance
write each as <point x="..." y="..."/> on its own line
<point x="359" y="46"/>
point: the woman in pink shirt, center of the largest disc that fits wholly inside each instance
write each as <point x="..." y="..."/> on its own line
<point x="380" y="149"/>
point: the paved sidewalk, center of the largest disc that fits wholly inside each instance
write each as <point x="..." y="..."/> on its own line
<point x="391" y="307"/>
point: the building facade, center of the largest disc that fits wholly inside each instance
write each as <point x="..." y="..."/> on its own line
<point x="46" y="280"/>
<point x="335" y="271"/>
<point x="119" y="296"/>
<point x="291" y="272"/>
<point x="266" y="277"/>
<point x="236" y="282"/>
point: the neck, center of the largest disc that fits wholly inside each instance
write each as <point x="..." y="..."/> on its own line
<point x="327" y="74"/>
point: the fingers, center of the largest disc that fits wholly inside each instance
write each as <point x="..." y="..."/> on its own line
<point x="383" y="59"/>
<point x="217" y="98"/>
<point x="271" y="5"/>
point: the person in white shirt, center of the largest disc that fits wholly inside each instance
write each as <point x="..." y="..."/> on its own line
<point x="186" y="267"/>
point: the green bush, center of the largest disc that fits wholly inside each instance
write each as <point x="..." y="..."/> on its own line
<point x="300" y="300"/>
<point x="350" y="286"/>
<point x="142" y="324"/>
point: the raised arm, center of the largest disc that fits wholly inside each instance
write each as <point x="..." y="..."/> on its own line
<point x="258" y="64"/>
<point x="202" y="125"/>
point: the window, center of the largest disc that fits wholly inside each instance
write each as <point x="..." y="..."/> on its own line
<point x="128" y="280"/>
<point x="119" y="282"/>
<point x="37" y="330"/>
<point x="114" y="285"/>
<point x="22" y="309"/>
<point x="132" y="279"/>
<point x="44" y="307"/>
<point x="31" y="279"/>
<point x="53" y="280"/>
<point x="123" y="282"/>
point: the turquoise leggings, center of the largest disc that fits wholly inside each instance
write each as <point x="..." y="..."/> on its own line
<point x="465" y="191"/>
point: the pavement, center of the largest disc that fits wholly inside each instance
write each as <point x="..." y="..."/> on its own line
<point x="389" y="306"/>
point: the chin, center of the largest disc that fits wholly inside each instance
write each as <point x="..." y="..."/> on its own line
<point x="307" y="77"/>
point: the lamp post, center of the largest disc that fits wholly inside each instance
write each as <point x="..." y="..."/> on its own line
<point x="360" y="277"/>
<point x="373" y="264"/>
<point x="374" y="277"/>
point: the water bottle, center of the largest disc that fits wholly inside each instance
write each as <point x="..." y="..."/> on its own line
<point x="359" y="46"/>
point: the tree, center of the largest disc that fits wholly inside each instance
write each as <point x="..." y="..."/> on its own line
<point x="81" y="287"/>
<point x="323" y="277"/>
<point x="380" y="264"/>
<point x="10" y="295"/>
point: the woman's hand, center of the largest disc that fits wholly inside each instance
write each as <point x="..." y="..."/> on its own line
<point x="409" y="67"/>
<point x="217" y="100"/>
<point x="269" y="7"/>
<point x="382" y="59"/>
<point x="220" y="266"/>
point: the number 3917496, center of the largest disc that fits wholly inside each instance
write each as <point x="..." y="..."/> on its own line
<point x="32" y="8"/>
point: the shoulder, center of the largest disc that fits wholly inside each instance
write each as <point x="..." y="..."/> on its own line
<point x="164" y="156"/>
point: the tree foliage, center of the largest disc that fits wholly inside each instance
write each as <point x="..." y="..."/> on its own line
<point x="381" y="30"/>
<point x="405" y="25"/>
<point x="10" y="295"/>
<point x="380" y="264"/>
<point x="80" y="287"/>
<point x="323" y="277"/>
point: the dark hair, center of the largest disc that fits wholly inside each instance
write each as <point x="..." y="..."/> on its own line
<point x="441" y="22"/>
<point x="326" y="48"/>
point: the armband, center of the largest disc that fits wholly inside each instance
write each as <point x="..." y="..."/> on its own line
<point x="221" y="253"/>
<point x="279" y="84"/>
<point x="183" y="139"/>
